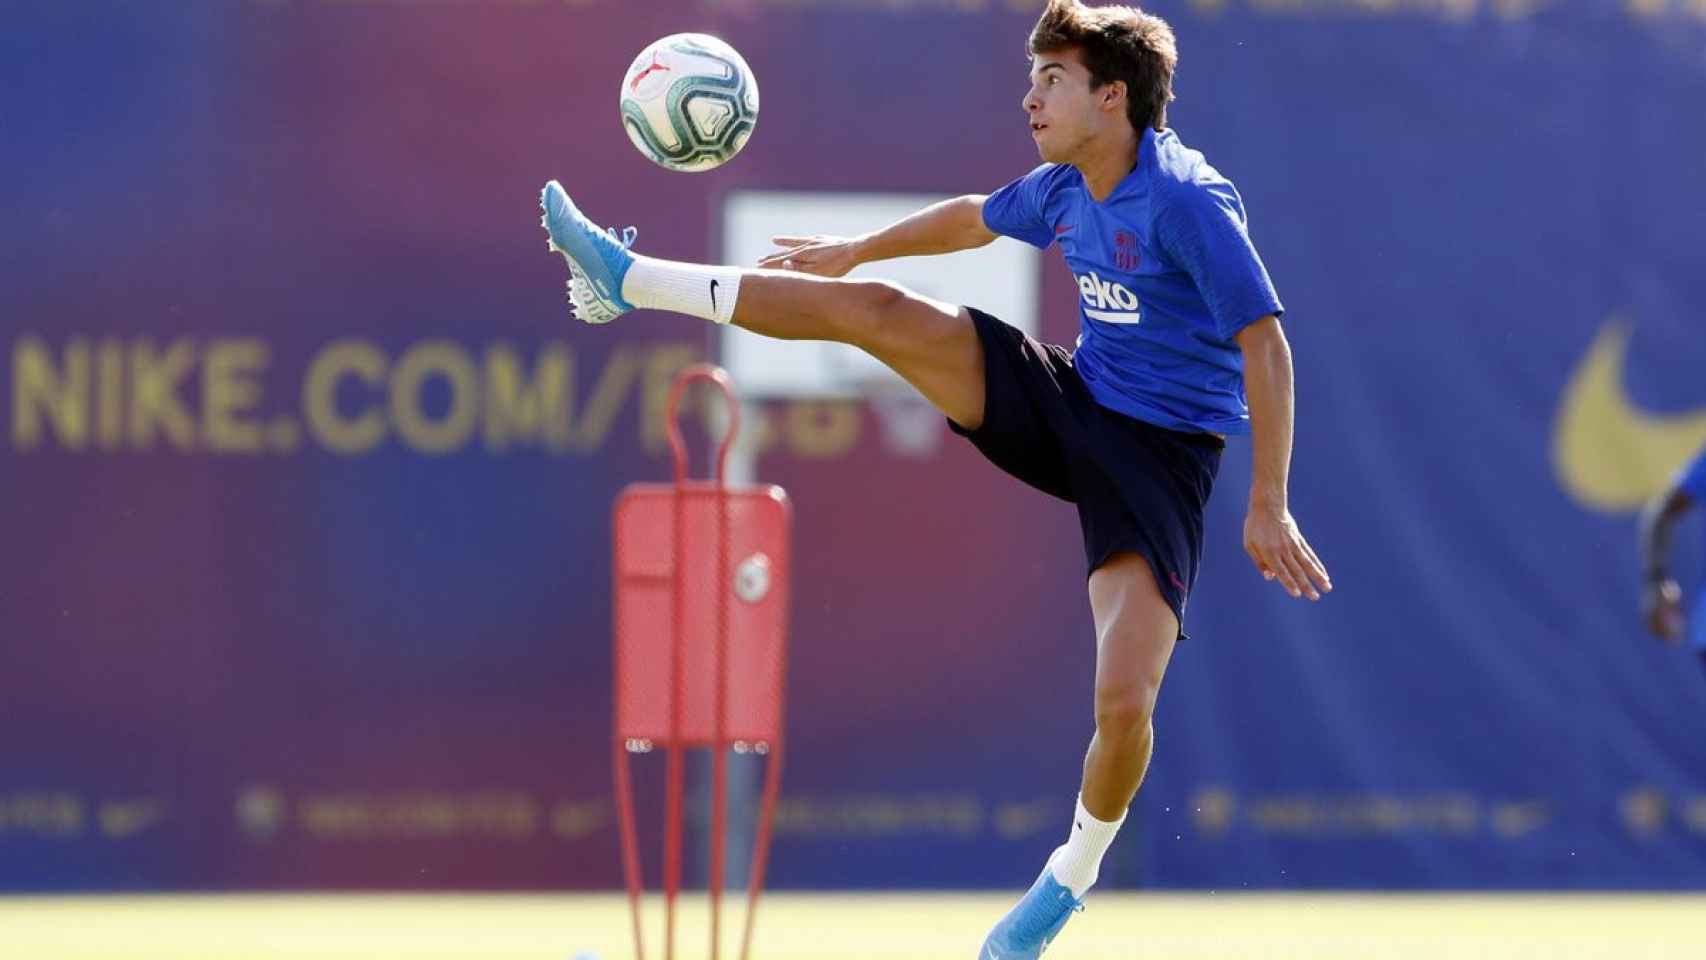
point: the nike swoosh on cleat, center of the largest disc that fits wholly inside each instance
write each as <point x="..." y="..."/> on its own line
<point x="713" y="296"/>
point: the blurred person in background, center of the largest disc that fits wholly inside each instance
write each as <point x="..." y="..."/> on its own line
<point x="1661" y="595"/>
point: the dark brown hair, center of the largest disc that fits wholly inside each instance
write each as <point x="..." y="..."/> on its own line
<point x="1117" y="43"/>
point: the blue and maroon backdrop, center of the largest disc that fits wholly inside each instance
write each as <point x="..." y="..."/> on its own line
<point x="306" y="475"/>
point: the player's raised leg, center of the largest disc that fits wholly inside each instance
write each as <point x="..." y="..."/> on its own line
<point x="932" y="345"/>
<point x="1135" y="634"/>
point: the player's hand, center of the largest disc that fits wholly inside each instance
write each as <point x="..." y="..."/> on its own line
<point x="1279" y="551"/>
<point x="1661" y="609"/>
<point x="821" y="255"/>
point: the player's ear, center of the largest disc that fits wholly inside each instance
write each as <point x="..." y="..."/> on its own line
<point x="1113" y="94"/>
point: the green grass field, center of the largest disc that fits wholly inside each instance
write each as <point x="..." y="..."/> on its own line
<point x="847" y="926"/>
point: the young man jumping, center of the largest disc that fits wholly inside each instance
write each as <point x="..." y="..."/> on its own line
<point x="1180" y="345"/>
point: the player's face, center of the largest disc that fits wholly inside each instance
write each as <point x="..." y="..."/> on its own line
<point x="1061" y="106"/>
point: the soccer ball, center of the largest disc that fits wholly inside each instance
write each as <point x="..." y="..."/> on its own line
<point x="689" y="102"/>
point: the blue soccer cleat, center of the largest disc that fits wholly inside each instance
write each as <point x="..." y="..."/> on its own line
<point x="598" y="259"/>
<point x="1027" y="929"/>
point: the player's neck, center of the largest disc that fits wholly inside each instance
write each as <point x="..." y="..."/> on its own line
<point x="1104" y="163"/>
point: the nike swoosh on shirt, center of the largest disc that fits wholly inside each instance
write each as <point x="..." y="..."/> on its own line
<point x="1610" y="454"/>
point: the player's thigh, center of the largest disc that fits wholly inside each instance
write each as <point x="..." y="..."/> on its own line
<point x="1135" y="634"/>
<point x="932" y="345"/>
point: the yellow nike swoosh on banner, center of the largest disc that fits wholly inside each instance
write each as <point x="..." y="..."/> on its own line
<point x="1610" y="454"/>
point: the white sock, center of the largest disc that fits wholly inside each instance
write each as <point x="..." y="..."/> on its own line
<point x="694" y="289"/>
<point x="1076" y="863"/>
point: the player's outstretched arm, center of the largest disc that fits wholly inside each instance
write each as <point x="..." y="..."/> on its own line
<point x="1661" y="597"/>
<point x="1270" y="534"/>
<point x="944" y="227"/>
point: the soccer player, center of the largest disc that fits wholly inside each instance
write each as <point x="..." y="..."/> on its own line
<point x="1661" y="597"/>
<point x="1179" y="325"/>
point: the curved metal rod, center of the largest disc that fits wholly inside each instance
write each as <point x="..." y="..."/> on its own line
<point x="677" y="391"/>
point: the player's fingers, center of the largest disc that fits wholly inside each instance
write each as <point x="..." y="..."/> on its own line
<point x="791" y="260"/>
<point x="1255" y="554"/>
<point x="1273" y="567"/>
<point x="1312" y="565"/>
<point x="1302" y="572"/>
<point x="791" y="240"/>
<point x="1315" y="560"/>
<point x="1290" y="573"/>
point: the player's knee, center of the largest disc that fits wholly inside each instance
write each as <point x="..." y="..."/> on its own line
<point x="881" y="296"/>
<point x="874" y="312"/>
<point x="1124" y="709"/>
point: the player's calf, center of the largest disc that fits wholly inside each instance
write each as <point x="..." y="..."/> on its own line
<point x="792" y="306"/>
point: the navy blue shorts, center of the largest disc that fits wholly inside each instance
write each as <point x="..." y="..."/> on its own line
<point x="1138" y="487"/>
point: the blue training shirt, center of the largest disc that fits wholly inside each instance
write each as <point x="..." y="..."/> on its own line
<point x="1166" y="277"/>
